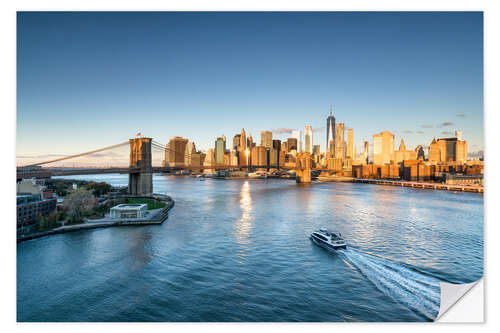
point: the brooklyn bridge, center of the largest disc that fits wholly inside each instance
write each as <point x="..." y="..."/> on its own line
<point x="141" y="169"/>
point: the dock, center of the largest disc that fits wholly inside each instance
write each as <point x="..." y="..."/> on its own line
<point x="424" y="185"/>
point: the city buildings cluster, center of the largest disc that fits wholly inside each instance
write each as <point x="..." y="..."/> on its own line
<point x="341" y="156"/>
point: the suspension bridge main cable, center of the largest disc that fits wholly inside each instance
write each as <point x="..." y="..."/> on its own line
<point x="77" y="155"/>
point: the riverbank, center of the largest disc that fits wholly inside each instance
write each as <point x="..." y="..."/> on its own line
<point x="423" y="185"/>
<point x="158" y="216"/>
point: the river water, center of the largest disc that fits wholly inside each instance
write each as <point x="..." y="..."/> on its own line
<point x="239" y="250"/>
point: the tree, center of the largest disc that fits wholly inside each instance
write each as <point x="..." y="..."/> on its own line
<point x="99" y="188"/>
<point x="79" y="202"/>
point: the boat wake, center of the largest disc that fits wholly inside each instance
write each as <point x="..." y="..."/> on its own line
<point x="416" y="290"/>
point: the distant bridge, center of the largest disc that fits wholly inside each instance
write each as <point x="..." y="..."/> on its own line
<point x="140" y="169"/>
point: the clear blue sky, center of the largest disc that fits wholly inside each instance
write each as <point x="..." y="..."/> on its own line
<point x="87" y="80"/>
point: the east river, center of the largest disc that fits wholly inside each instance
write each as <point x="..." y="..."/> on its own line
<point x="239" y="250"/>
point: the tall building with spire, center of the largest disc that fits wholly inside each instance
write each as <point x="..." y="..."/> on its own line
<point x="330" y="132"/>
<point x="243" y="139"/>
<point x="308" y="139"/>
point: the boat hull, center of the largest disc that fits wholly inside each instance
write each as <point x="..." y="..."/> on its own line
<point x="327" y="245"/>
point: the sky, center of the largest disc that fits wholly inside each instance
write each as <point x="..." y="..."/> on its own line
<point x="87" y="80"/>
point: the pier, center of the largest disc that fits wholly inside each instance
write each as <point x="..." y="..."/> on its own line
<point x="435" y="186"/>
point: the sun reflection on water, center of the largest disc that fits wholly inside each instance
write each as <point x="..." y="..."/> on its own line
<point x="244" y="225"/>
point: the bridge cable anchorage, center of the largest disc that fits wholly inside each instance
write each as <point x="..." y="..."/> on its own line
<point x="77" y="155"/>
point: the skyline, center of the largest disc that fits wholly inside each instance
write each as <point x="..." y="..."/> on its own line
<point x="190" y="75"/>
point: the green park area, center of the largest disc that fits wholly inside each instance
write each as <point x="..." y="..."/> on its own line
<point x="152" y="203"/>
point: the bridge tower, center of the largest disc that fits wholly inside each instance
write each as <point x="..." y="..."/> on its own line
<point x="303" y="167"/>
<point x="141" y="181"/>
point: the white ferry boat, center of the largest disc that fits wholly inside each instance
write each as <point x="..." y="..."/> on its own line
<point x="258" y="175"/>
<point x="328" y="239"/>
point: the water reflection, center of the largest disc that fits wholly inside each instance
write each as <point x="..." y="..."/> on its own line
<point x="244" y="224"/>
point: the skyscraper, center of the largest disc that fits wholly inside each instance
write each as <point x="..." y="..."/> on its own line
<point x="250" y="141"/>
<point x="383" y="148"/>
<point x="266" y="139"/>
<point x="177" y="151"/>
<point x="190" y="150"/>
<point x="330" y="132"/>
<point x="298" y="135"/>
<point x="350" y="139"/>
<point x="220" y="150"/>
<point x="237" y="141"/>
<point x="292" y="144"/>
<point x="308" y="139"/>
<point x="339" y="141"/>
<point x="243" y="139"/>
<point x="366" y="151"/>
<point x="316" y="150"/>
<point x="277" y="144"/>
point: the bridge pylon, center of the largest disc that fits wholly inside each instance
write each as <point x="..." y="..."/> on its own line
<point x="303" y="167"/>
<point x="140" y="182"/>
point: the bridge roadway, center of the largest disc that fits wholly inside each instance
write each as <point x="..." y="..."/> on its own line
<point x="51" y="172"/>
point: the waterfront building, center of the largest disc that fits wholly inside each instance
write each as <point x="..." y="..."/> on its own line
<point x="350" y="143"/>
<point x="220" y="150"/>
<point x="274" y="156"/>
<point x="197" y="159"/>
<point x="167" y="154"/>
<point x="250" y="143"/>
<point x="209" y="159"/>
<point x="243" y="140"/>
<point x="177" y="151"/>
<point x="366" y="151"/>
<point x="448" y="150"/>
<point x="292" y="144"/>
<point x="434" y="152"/>
<point x="259" y="156"/>
<point x="277" y="144"/>
<point x="316" y="150"/>
<point x="133" y="211"/>
<point x="282" y="157"/>
<point x="330" y="132"/>
<point x="266" y="139"/>
<point x="404" y="154"/>
<point x="420" y="152"/>
<point x="383" y="147"/>
<point x="454" y="179"/>
<point x="30" y="206"/>
<point x="461" y="151"/>
<point x="334" y="164"/>
<point x="284" y="146"/>
<point x="190" y="150"/>
<point x="298" y="135"/>
<point x="308" y="139"/>
<point x="236" y="141"/>
<point x="339" y="141"/>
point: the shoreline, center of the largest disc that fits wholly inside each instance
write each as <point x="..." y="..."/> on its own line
<point x="158" y="219"/>
<point x="388" y="182"/>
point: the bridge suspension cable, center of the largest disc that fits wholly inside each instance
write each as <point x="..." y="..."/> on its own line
<point x="78" y="155"/>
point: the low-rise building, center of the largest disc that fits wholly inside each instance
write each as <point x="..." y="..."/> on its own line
<point x="454" y="179"/>
<point x="128" y="211"/>
<point x="30" y="206"/>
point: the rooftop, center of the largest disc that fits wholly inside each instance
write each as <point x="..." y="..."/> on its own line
<point x="130" y="206"/>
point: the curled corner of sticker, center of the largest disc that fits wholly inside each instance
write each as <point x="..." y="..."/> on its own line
<point x="451" y="293"/>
